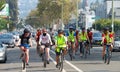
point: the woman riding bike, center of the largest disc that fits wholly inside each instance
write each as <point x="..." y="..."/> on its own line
<point x="25" y="43"/>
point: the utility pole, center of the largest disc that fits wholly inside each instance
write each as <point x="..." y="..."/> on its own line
<point x="112" y="16"/>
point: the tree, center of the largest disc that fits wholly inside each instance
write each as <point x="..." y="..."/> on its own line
<point x="101" y="23"/>
<point x="3" y="24"/>
<point x="2" y="2"/>
<point x="50" y="10"/>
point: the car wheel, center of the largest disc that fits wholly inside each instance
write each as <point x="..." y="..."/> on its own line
<point x="4" y="61"/>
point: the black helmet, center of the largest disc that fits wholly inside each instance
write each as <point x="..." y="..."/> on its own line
<point x="70" y="27"/>
<point x="60" y="31"/>
<point x="83" y="28"/>
<point x="106" y="29"/>
<point x="26" y="30"/>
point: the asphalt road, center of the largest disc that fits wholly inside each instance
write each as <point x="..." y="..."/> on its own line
<point x="93" y="63"/>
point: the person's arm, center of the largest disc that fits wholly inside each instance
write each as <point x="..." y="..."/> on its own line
<point x="40" y="39"/>
<point x="50" y="39"/>
<point x="30" y="41"/>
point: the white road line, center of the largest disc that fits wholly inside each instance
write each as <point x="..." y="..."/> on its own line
<point x="55" y="63"/>
<point x="73" y="66"/>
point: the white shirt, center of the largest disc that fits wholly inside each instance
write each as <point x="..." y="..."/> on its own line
<point x="45" y="39"/>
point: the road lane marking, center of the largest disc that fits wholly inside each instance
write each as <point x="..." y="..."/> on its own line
<point x="55" y="63"/>
<point x="73" y="66"/>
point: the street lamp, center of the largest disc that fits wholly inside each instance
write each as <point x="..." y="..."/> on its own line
<point x="77" y="15"/>
<point x="112" y="16"/>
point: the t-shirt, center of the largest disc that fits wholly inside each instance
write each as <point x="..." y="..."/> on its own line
<point x="24" y="40"/>
<point x="105" y="40"/>
<point x="45" y="39"/>
<point x="90" y="35"/>
<point x="38" y="35"/>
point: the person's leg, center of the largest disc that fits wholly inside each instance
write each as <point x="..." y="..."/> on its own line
<point x="37" y="47"/>
<point x="47" y="53"/>
<point x="73" y="48"/>
<point x="57" y="60"/>
<point x="103" y="51"/>
<point x="22" y="51"/>
<point x="27" y="56"/>
<point x="80" y="43"/>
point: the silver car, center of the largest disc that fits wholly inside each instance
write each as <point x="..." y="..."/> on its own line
<point x="116" y="44"/>
<point x="3" y="53"/>
<point x="8" y="39"/>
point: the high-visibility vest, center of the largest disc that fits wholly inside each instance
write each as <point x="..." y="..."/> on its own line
<point x="108" y="39"/>
<point x="71" y="37"/>
<point x="83" y="37"/>
<point x="61" y="42"/>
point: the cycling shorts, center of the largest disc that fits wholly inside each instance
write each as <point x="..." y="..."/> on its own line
<point x="27" y="46"/>
<point x="57" y="51"/>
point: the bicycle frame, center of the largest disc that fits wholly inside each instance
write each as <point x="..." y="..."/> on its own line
<point x="60" y="62"/>
<point x="84" y="50"/>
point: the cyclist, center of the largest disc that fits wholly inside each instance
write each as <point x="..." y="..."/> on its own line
<point x="83" y="37"/>
<point x="60" y="42"/>
<point x="77" y="38"/>
<point x="45" y="42"/>
<point x="71" y="39"/>
<point x="25" y="44"/>
<point x="106" y="39"/>
<point x="38" y="33"/>
<point x="90" y="35"/>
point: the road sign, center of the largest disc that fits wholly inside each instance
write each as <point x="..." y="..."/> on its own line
<point x="5" y="11"/>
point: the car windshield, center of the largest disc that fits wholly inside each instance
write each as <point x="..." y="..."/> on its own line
<point x="6" y="37"/>
<point x="117" y="39"/>
<point x="97" y="35"/>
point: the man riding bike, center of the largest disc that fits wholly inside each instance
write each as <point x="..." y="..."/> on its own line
<point x="90" y="35"/>
<point x="71" y="39"/>
<point x="25" y="43"/>
<point x="83" y="37"/>
<point x="38" y="33"/>
<point x="45" y="42"/>
<point x="106" y="39"/>
<point x="60" y="43"/>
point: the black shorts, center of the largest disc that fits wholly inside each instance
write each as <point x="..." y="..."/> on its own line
<point x="46" y="45"/>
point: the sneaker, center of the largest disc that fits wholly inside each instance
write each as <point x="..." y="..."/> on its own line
<point x="40" y="54"/>
<point x="56" y="65"/>
<point x="27" y="64"/>
<point x="48" y="62"/>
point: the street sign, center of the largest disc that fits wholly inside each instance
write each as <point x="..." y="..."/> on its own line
<point x="5" y="11"/>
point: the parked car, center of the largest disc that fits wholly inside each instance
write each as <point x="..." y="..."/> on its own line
<point x="3" y="53"/>
<point x="116" y="44"/>
<point x="97" y="38"/>
<point x="8" y="39"/>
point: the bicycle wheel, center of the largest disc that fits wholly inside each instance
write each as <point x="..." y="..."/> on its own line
<point x="105" y="58"/>
<point x="44" y="58"/>
<point x="108" y="59"/>
<point x="71" y="54"/>
<point x="61" y="64"/>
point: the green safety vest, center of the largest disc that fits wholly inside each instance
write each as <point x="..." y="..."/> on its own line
<point x="71" y="37"/>
<point x="60" y="41"/>
<point x="108" y="39"/>
<point x="83" y="37"/>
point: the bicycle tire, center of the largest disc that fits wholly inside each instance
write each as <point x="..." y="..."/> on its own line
<point x="108" y="59"/>
<point x="71" y="54"/>
<point x="105" y="58"/>
<point x="44" y="58"/>
<point x="61" y="62"/>
<point x="23" y="65"/>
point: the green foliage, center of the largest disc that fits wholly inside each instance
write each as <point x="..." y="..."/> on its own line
<point x="2" y="2"/>
<point x="3" y="24"/>
<point x="101" y="23"/>
<point x="50" y="10"/>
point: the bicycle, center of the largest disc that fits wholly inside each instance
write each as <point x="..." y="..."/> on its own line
<point x="84" y="50"/>
<point x="60" y="62"/>
<point x="108" y="54"/>
<point x="70" y="51"/>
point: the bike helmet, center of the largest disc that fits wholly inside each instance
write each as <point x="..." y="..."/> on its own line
<point x="83" y="28"/>
<point x="106" y="29"/>
<point x="26" y="30"/>
<point x="60" y="31"/>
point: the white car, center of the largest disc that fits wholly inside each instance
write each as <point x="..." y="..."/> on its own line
<point x="3" y="53"/>
<point x="116" y="44"/>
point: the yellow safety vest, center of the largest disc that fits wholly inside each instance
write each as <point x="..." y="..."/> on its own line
<point x="61" y="42"/>
<point x="83" y="37"/>
<point x="71" y="37"/>
<point x="108" y="39"/>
